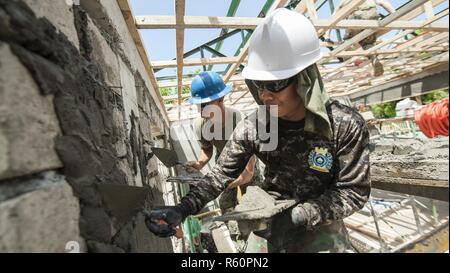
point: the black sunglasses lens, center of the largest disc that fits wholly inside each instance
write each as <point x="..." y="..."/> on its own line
<point x="273" y="86"/>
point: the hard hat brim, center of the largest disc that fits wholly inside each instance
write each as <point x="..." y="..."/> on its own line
<point x="223" y="93"/>
<point x="261" y="75"/>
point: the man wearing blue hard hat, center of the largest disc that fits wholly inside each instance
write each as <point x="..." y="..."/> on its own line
<point x="214" y="128"/>
<point x="320" y="164"/>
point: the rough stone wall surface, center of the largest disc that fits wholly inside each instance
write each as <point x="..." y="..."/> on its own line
<point x="109" y="19"/>
<point x="76" y="112"/>
<point x="45" y="216"/>
<point x="28" y="123"/>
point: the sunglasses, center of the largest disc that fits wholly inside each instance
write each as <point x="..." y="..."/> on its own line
<point x="274" y="86"/>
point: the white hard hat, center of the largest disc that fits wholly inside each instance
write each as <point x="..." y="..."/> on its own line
<point x="284" y="44"/>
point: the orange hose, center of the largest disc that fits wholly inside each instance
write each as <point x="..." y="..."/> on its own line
<point x="433" y="118"/>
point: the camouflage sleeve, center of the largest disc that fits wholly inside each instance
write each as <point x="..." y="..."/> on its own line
<point x="352" y="183"/>
<point x="204" y="144"/>
<point x="229" y="166"/>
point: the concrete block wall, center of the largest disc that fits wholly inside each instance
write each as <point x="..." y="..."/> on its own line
<point x="76" y="111"/>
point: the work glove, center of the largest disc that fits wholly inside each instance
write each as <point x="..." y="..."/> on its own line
<point x="162" y="221"/>
<point x="284" y="222"/>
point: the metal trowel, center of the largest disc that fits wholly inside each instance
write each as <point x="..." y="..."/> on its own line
<point x="168" y="157"/>
<point x="124" y="201"/>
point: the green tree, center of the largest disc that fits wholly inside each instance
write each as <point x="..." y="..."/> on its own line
<point x="434" y="96"/>
<point x="167" y="91"/>
<point x="171" y="91"/>
<point x="185" y="90"/>
<point x="384" y="110"/>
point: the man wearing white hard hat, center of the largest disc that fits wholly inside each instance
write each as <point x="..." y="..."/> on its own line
<point x="322" y="157"/>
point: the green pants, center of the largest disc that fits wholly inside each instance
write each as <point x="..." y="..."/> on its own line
<point x="331" y="238"/>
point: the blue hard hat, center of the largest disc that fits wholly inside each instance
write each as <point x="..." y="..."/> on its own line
<point x="208" y="86"/>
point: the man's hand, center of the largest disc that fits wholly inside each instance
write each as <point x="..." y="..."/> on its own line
<point x="164" y="220"/>
<point x="193" y="166"/>
<point x="284" y="222"/>
<point x="246" y="175"/>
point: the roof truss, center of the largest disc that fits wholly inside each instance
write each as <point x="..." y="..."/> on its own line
<point x="401" y="58"/>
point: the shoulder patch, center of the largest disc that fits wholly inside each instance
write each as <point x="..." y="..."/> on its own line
<point x="320" y="160"/>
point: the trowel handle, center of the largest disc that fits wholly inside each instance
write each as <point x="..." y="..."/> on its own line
<point x="179" y="232"/>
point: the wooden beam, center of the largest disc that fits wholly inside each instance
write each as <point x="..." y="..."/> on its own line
<point x="425" y="38"/>
<point x="174" y="97"/>
<point x="407" y="18"/>
<point x="428" y="7"/>
<point x="244" y="50"/>
<point x="414" y="13"/>
<point x="420" y="10"/>
<point x="161" y="22"/>
<point x="412" y="69"/>
<point x="195" y="62"/>
<point x="302" y="6"/>
<point x="189" y="81"/>
<point x="311" y="7"/>
<point x="389" y="19"/>
<point x="179" y="14"/>
<point x="406" y="32"/>
<point x="398" y="82"/>
<point x="168" y="22"/>
<point x="412" y="66"/>
<point x="342" y="13"/>
<point x="376" y="25"/>
<point x="389" y="51"/>
<point x="136" y="36"/>
<point x="396" y="37"/>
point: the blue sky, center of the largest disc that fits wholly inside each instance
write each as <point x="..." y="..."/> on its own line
<point x="160" y="44"/>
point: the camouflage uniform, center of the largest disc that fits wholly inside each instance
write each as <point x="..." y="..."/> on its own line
<point x="364" y="12"/>
<point x="329" y="189"/>
<point x="219" y="144"/>
<point x="367" y="11"/>
<point x="227" y="199"/>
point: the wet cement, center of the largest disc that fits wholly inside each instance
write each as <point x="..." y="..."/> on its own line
<point x="412" y="166"/>
<point x="420" y="148"/>
<point x="413" y="158"/>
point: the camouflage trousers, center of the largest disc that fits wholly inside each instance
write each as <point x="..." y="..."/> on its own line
<point x="368" y="14"/>
<point x="331" y="238"/>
